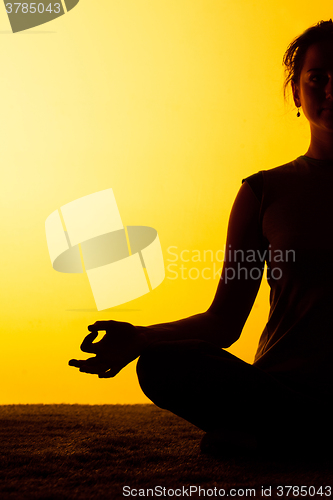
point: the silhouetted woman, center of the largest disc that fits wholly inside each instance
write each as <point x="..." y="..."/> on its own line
<point x="285" y="215"/>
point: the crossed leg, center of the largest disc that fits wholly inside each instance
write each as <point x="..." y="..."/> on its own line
<point x="218" y="392"/>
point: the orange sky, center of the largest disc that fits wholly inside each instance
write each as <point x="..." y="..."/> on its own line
<point x="170" y="104"/>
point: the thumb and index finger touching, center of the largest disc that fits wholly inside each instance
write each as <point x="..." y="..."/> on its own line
<point x="87" y="344"/>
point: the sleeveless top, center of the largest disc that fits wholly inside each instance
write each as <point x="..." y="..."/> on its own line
<point x="296" y="226"/>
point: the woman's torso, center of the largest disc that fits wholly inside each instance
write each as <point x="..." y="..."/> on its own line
<point x="296" y="221"/>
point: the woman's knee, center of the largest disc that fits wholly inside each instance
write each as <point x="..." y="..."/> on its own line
<point x="150" y="370"/>
<point x="161" y="365"/>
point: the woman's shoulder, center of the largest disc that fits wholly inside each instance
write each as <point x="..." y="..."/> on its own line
<point x="256" y="181"/>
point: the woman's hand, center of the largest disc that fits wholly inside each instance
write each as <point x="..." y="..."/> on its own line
<point x="121" y="344"/>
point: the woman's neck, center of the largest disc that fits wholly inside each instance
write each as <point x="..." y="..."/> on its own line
<point x="321" y="147"/>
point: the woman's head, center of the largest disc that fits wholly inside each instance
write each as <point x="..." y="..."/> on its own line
<point x="295" y="54"/>
<point x="309" y="67"/>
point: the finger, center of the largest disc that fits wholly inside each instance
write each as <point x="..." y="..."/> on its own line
<point x="92" y="365"/>
<point x="109" y="373"/>
<point x="82" y="362"/>
<point x="85" y="369"/>
<point x="87" y="344"/>
<point x="95" y="370"/>
<point x="75" y="362"/>
<point x="100" y="325"/>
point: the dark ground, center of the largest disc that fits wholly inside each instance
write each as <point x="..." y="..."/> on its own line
<point x="83" y="452"/>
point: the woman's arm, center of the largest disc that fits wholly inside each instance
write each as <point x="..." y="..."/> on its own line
<point x="221" y="324"/>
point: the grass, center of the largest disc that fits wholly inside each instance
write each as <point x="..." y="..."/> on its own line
<point x="86" y="452"/>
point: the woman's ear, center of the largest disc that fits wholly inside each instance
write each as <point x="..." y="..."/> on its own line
<point x="296" y="95"/>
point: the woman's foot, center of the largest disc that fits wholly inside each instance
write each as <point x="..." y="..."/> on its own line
<point x="222" y="443"/>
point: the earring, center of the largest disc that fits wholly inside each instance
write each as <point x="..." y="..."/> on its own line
<point x="298" y="113"/>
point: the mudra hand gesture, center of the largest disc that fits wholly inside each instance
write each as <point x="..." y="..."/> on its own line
<point x="121" y="344"/>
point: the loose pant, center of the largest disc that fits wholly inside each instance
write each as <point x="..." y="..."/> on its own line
<point x="215" y="390"/>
